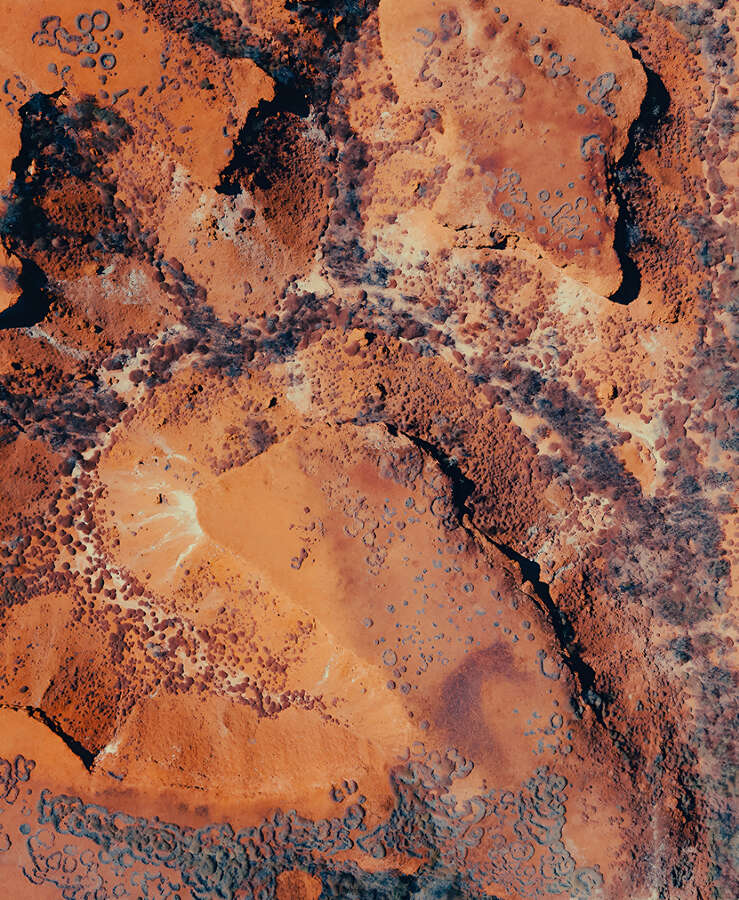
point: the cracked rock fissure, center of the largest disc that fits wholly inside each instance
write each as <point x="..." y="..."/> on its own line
<point x="86" y="756"/>
<point x="654" y="105"/>
<point x="584" y="674"/>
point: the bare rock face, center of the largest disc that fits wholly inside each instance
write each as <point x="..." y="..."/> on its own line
<point x="527" y="115"/>
<point x="367" y="450"/>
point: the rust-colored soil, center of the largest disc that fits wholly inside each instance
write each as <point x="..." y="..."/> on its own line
<point x="368" y="411"/>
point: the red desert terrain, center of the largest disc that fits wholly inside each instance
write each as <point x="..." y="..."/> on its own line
<point x="368" y="406"/>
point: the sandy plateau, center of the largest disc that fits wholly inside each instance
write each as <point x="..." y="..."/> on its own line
<point x="368" y="408"/>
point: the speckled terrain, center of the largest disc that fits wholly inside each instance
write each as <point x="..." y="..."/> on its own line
<point x="368" y="409"/>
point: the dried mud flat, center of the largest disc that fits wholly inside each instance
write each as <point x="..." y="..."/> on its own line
<point x="368" y="412"/>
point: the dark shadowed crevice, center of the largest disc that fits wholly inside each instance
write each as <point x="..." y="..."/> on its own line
<point x="61" y="143"/>
<point x="298" y="85"/>
<point x="630" y="286"/>
<point x="462" y="487"/>
<point x="34" y="301"/>
<point x="86" y="756"/>
<point x="642" y="132"/>
<point x="563" y="629"/>
<point x="250" y="156"/>
<point x="564" y="632"/>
